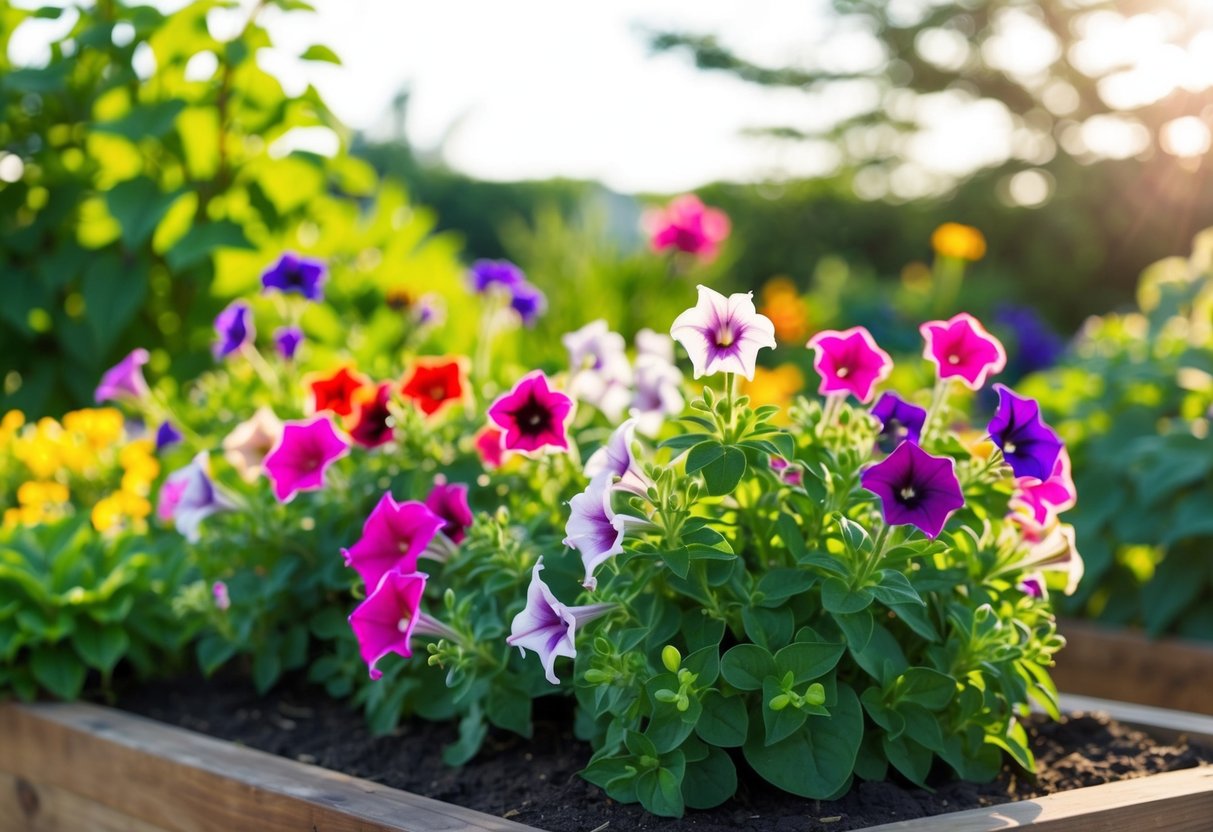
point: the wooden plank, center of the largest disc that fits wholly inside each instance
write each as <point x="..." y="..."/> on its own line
<point x="179" y="781"/>
<point x="1163" y="723"/>
<point x="47" y="808"/>
<point x="1126" y="666"/>
<point x="1178" y="801"/>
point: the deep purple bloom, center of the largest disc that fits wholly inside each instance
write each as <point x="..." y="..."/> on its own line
<point x="124" y="379"/>
<point x="450" y="502"/>
<point x="549" y="627"/>
<point x="234" y="326"/>
<point x="899" y="421"/>
<point x="532" y="415"/>
<point x="303" y="453"/>
<point x="1029" y="445"/>
<point x="486" y="273"/>
<point x="915" y="488"/>
<point x="167" y="434"/>
<point x="723" y="334"/>
<point x="390" y="616"/>
<point x="287" y="340"/>
<point x="298" y="275"/>
<point x="528" y="302"/>
<point x="393" y="537"/>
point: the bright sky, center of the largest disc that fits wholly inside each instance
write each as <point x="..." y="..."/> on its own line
<point x="539" y="88"/>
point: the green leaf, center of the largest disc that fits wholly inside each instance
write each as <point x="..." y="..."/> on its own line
<point x="472" y="731"/>
<point x="744" y="666"/>
<point x="724" y="721"/>
<point x="639" y="744"/>
<point x="138" y="205"/>
<point x="660" y="790"/>
<point x="144" y="120"/>
<point x="771" y="628"/>
<point x="508" y="706"/>
<point x="200" y="242"/>
<point x="722" y="475"/>
<point x="908" y="757"/>
<point x="319" y="52"/>
<point x="704" y="663"/>
<point x="856" y="628"/>
<point x="895" y="588"/>
<point x="101" y="647"/>
<point x="113" y="293"/>
<point x="781" y="724"/>
<point x="808" y="660"/>
<point x="778" y="585"/>
<point x="59" y="670"/>
<point x="791" y="535"/>
<point x="267" y="668"/>
<point x="926" y="687"/>
<point x="838" y="597"/>
<point x="213" y="651"/>
<point x="916" y="618"/>
<point x="1015" y="743"/>
<point x="710" y="781"/>
<point x="882" y="657"/>
<point x="703" y="454"/>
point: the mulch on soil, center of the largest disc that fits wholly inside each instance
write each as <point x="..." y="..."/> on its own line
<point x="535" y="782"/>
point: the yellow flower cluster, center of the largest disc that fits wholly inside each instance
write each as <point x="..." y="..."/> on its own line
<point x="782" y="303"/>
<point x="84" y="449"/>
<point x="776" y="386"/>
<point x="964" y="242"/>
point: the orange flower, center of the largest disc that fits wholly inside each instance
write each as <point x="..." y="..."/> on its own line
<point x="335" y="392"/>
<point x="963" y="242"/>
<point x="784" y="306"/>
<point x="776" y="386"/>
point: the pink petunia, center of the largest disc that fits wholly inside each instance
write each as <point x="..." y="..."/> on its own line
<point x="961" y="348"/>
<point x="849" y="362"/>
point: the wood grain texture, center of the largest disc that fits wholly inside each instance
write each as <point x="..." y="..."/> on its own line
<point x="169" y="779"/>
<point x="1126" y="666"/>
<point x="47" y="808"/>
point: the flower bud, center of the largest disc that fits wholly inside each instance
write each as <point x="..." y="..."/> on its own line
<point x="671" y="658"/>
<point x="597" y="677"/>
<point x="815" y="695"/>
<point x="778" y="703"/>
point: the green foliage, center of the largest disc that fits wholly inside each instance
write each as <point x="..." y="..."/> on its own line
<point x="73" y="602"/>
<point x="1133" y="404"/>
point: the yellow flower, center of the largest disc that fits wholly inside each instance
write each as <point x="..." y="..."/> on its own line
<point x="100" y="427"/>
<point x="786" y="309"/>
<point x="10" y="423"/>
<point x="977" y="444"/>
<point x="776" y="386"/>
<point x="963" y="242"/>
<point x="41" y="450"/>
<point x="35" y="493"/>
<point x="140" y="466"/>
<point x="22" y="516"/>
<point x="110" y="512"/>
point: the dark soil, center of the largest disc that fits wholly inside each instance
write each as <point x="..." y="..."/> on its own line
<point x="535" y="782"/>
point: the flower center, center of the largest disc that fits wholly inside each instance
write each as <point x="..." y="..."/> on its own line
<point x="842" y="372"/>
<point x="908" y="493"/>
<point x="438" y="392"/>
<point x="725" y="336"/>
<point x="953" y="359"/>
<point x="533" y="418"/>
<point x="1008" y="448"/>
<point x="403" y="624"/>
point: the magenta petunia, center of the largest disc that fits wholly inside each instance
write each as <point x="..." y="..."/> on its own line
<point x="449" y="501"/>
<point x="960" y="347"/>
<point x="1045" y="499"/>
<point x="915" y="488"/>
<point x="390" y="616"/>
<point x="303" y="453"/>
<point x="849" y="362"/>
<point x="532" y="415"/>
<point x="549" y="627"/>
<point x="687" y="225"/>
<point x="125" y="379"/>
<point x="393" y="537"/>
<point x="723" y="335"/>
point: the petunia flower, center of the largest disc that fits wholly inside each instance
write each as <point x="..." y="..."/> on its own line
<point x="393" y="537"/>
<point x="599" y="371"/>
<point x="189" y="496"/>
<point x="303" y="453"/>
<point x="532" y="415"/>
<point x="245" y="448"/>
<point x="436" y="383"/>
<point x="390" y="616"/>
<point x="1034" y="585"/>
<point x="1045" y="500"/>
<point x="484" y="274"/>
<point x="1029" y="445"/>
<point x="223" y="601"/>
<point x="654" y="344"/>
<point x="616" y="458"/>
<point x="373" y="425"/>
<point x="915" y="488"/>
<point x="529" y="302"/>
<point x="849" y="362"/>
<point x="657" y="395"/>
<point x="594" y="529"/>
<point x="961" y="348"/>
<point x="335" y="392"/>
<point x="1050" y="548"/>
<point x="124" y="380"/>
<point x="287" y="340"/>
<point x="723" y="334"/>
<point x="789" y="473"/>
<point x="549" y="627"/>
<point x="899" y="421"/>
<point x="298" y="275"/>
<point x="234" y="328"/>
<point x="687" y="225"/>
<point x="167" y="434"/>
<point x="449" y="501"/>
<point x="488" y="445"/>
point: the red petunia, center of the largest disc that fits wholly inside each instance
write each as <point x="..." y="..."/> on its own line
<point x="373" y="419"/>
<point x="335" y="392"/>
<point x="434" y="384"/>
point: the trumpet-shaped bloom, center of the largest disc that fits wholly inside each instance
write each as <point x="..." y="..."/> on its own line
<point x="124" y="380"/>
<point x="488" y="445"/>
<point x="303" y="453"/>
<point x="787" y="472"/>
<point x="385" y="622"/>
<point x="485" y="274"/>
<point x="189" y="496"/>
<point x="287" y="340"/>
<point x="296" y="275"/>
<point x="393" y="537"/>
<point x="245" y="448"/>
<point x="657" y="395"/>
<point x="900" y="421"/>
<point x="600" y="373"/>
<point x="549" y="627"/>
<point x="167" y="434"/>
<point x="686" y="224"/>
<point x="1034" y="585"/>
<point x="961" y="348"/>
<point x="594" y="529"/>
<point x="849" y="362"/>
<point x="436" y="383"/>
<point x="532" y="415"/>
<point x="1052" y="549"/>
<point x="234" y="328"/>
<point x="449" y="501"/>
<point x="1048" y="498"/>
<point x="372" y="418"/>
<point x="1030" y="446"/>
<point x="723" y="334"/>
<point x="915" y="488"/>
<point x="335" y="392"/>
<point x="616" y="458"/>
<point x="529" y="302"/>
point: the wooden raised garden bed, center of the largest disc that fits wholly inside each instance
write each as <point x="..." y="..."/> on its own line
<point x="87" y="767"/>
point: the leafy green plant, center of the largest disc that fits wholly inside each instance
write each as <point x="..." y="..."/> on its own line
<point x="1133" y="403"/>
<point x="74" y="602"/>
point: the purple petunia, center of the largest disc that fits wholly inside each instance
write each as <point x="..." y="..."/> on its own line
<point x="125" y="379"/>
<point x="234" y="326"/>
<point x="167" y="434"/>
<point x="1029" y="445"/>
<point x="294" y="274"/>
<point x="915" y="488"/>
<point x="524" y="297"/>
<point x="899" y="421"/>
<point x="287" y="340"/>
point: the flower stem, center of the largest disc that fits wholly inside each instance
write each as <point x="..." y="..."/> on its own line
<point x="939" y="397"/>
